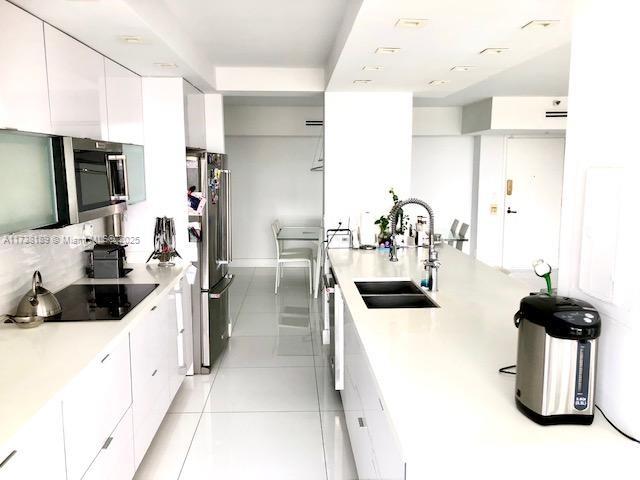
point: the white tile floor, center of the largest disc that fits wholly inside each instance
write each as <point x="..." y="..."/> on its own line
<point x="268" y="410"/>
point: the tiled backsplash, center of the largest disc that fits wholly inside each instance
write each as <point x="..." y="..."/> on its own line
<point x="58" y="254"/>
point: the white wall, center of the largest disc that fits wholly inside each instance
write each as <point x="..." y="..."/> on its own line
<point x="602" y="132"/>
<point x="271" y="178"/>
<point x="271" y="120"/>
<point x="367" y="151"/>
<point x="441" y="175"/>
<point x="437" y="120"/>
<point x="270" y="153"/>
<point x="166" y="175"/>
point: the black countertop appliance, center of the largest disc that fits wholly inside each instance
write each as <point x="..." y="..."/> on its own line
<point x="557" y="351"/>
<point x="107" y="260"/>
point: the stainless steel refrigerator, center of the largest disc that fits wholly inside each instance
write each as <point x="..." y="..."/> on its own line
<point x="211" y="318"/>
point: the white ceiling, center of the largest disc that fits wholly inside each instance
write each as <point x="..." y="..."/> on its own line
<point x="456" y="31"/>
<point x="544" y="75"/>
<point x="202" y="36"/>
<point x="276" y="33"/>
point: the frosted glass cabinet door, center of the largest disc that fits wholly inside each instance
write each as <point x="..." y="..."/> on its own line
<point x="76" y="87"/>
<point x="24" y="98"/>
<point x="135" y="173"/>
<point x="27" y="183"/>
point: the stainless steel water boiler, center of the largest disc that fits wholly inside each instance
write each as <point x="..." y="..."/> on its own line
<point x="557" y="353"/>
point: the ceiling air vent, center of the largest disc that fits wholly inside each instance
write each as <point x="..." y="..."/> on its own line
<point x="556" y="114"/>
<point x="313" y="123"/>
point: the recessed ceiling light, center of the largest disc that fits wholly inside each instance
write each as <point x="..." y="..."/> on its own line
<point x="437" y="83"/>
<point x="493" y="51"/>
<point x="165" y="65"/>
<point x="372" y="68"/>
<point x="133" y="39"/>
<point x="463" y="68"/>
<point x="361" y="82"/>
<point x="387" y="50"/>
<point x="539" y="24"/>
<point x="411" y="22"/>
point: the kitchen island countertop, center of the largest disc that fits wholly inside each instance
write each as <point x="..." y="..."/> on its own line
<point x="38" y="363"/>
<point x="453" y="414"/>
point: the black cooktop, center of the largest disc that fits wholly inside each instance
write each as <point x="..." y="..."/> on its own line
<point x="100" y="301"/>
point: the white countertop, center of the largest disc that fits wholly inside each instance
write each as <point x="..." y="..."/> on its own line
<point x="437" y="370"/>
<point x="36" y="364"/>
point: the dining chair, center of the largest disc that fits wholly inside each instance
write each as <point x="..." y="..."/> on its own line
<point x="462" y="235"/>
<point x="452" y="232"/>
<point x="289" y="256"/>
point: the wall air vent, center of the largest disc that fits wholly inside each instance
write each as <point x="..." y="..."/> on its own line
<point x="314" y="123"/>
<point x="556" y="114"/>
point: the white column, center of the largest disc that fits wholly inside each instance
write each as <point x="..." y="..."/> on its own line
<point x="166" y="176"/>
<point x="367" y="152"/>
<point x="599" y="241"/>
<point x="487" y="215"/>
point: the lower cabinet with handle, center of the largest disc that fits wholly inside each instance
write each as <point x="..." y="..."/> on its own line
<point x="37" y="450"/>
<point x="115" y="459"/>
<point x="376" y="451"/>
<point x="100" y="425"/>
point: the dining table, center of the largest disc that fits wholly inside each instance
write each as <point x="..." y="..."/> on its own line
<point x="306" y="234"/>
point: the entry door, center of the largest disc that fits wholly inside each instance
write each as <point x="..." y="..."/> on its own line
<point x="533" y="197"/>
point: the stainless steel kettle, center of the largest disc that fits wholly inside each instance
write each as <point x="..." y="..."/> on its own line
<point x="36" y="306"/>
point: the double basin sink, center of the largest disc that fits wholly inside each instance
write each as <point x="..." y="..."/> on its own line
<point x="393" y="294"/>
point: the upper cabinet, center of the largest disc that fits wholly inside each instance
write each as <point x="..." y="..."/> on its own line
<point x="77" y="93"/>
<point x="124" y="104"/>
<point x="24" y="102"/>
<point x="194" y="123"/>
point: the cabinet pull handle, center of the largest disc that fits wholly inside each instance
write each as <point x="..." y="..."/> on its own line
<point x="381" y="405"/>
<point x="105" y="357"/>
<point x="181" y="330"/>
<point x="6" y="460"/>
<point x="154" y="307"/>
<point x="154" y="372"/>
<point x="361" y="422"/>
<point x="107" y="443"/>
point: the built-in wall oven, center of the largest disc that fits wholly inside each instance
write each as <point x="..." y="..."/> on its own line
<point x="95" y="174"/>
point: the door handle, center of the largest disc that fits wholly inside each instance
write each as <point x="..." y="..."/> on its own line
<point x="511" y="211"/>
<point x="9" y="457"/>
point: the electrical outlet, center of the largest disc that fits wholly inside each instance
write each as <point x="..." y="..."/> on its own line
<point x="494" y="209"/>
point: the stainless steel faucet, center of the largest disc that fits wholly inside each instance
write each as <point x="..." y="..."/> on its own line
<point x="432" y="264"/>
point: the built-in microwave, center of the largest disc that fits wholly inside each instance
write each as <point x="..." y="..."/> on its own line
<point x="95" y="174"/>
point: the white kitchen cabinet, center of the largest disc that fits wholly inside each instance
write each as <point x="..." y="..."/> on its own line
<point x="93" y="404"/>
<point x="37" y="450"/>
<point x="194" y="117"/>
<point x="150" y="378"/>
<point x="77" y="87"/>
<point x="115" y="460"/>
<point x="375" y="448"/>
<point x="24" y="96"/>
<point x="124" y="104"/>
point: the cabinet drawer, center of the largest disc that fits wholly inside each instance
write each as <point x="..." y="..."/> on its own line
<point x="150" y="374"/>
<point x="37" y="450"/>
<point x="361" y="445"/>
<point x="115" y="460"/>
<point x="92" y="406"/>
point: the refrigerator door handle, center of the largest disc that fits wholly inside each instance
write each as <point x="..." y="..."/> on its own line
<point x="203" y="245"/>
<point x="222" y="287"/>
<point x="227" y="241"/>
